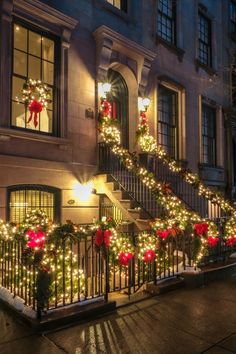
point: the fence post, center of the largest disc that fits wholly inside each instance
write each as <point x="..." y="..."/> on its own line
<point x="107" y="287"/>
<point x="154" y="271"/>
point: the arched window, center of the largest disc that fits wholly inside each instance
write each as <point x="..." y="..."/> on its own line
<point x="119" y="100"/>
<point x="24" y="198"/>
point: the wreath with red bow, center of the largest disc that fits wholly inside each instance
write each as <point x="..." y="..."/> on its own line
<point x="36" y="96"/>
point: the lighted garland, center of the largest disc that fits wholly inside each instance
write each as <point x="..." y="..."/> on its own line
<point x="148" y="144"/>
<point x="173" y="205"/>
<point x="36" y="96"/>
<point x="147" y="247"/>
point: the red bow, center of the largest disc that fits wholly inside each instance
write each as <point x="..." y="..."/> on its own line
<point x="36" y="239"/>
<point x="212" y="241"/>
<point x="149" y="256"/>
<point x="163" y="234"/>
<point x="124" y="258"/>
<point x="201" y="228"/>
<point x="231" y="241"/>
<point x="102" y="237"/>
<point x="35" y="107"/>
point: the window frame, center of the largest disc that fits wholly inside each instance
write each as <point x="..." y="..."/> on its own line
<point x="123" y="5"/>
<point x="212" y="160"/>
<point x="232" y="23"/>
<point x="173" y="21"/>
<point x="209" y="45"/>
<point x="56" y="89"/>
<point x="37" y="187"/>
<point x="175" y="126"/>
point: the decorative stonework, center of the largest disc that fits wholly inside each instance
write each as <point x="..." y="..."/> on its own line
<point x="112" y="46"/>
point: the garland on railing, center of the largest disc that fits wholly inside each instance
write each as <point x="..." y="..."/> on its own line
<point x="150" y="146"/>
<point x="173" y="205"/>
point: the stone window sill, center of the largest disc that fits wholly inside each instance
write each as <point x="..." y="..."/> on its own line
<point x="7" y="134"/>
<point x="208" y="69"/>
<point x="172" y="47"/>
<point x="111" y="8"/>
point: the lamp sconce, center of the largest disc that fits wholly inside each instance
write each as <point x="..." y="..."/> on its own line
<point x="104" y="88"/>
<point x="143" y="104"/>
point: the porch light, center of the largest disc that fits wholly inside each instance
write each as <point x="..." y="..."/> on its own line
<point x="83" y="191"/>
<point x="143" y="103"/>
<point x="106" y="87"/>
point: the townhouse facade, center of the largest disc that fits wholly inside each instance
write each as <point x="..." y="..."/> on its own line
<point x="178" y="53"/>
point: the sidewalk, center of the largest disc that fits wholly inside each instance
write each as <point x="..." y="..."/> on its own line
<point x="183" y="321"/>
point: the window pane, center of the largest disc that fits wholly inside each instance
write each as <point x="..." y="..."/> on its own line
<point x="20" y="63"/>
<point x="48" y="72"/>
<point x="35" y="44"/>
<point x="17" y="85"/>
<point x="34" y="68"/>
<point x="18" y="114"/>
<point x="48" y="49"/>
<point x="20" y="38"/>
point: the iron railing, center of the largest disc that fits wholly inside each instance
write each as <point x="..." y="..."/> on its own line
<point x="129" y="182"/>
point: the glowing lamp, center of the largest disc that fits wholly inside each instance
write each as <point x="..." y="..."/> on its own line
<point x="143" y="103"/>
<point x="83" y="191"/>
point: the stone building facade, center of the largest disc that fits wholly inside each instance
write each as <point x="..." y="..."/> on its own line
<point x="179" y="53"/>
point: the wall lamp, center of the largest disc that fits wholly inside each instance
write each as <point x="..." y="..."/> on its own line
<point x="104" y="88"/>
<point x="143" y="103"/>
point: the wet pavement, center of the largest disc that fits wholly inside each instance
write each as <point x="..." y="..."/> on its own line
<point x="183" y="321"/>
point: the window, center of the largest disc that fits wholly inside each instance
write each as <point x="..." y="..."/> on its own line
<point x="166" y="20"/>
<point x="233" y="85"/>
<point x="167" y="120"/>
<point x="208" y="135"/>
<point x="204" y="40"/>
<point x="23" y="199"/>
<point x="33" y="58"/>
<point x="233" y="17"/>
<point x="120" y="4"/>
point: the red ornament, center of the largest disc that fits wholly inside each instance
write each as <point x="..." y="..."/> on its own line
<point x="124" y="258"/>
<point x="201" y="228"/>
<point x="35" y="107"/>
<point x="212" y="241"/>
<point x="231" y="241"/>
<point x="36" y="239"/>
<point x="149" y="256"/>
<point x="163" y="234"/>
<point x="99" y="237"/>
<point x="106" y="108"/>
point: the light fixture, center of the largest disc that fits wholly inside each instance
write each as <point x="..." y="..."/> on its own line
<point x="83" y="191"/>
<point x="106" y="87"/>
<point x="143" y="103"/>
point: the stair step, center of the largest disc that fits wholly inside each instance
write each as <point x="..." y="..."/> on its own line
<point x="120" y="195"/>
<point x="126" y="227"/>
<point x="144" y="224"/>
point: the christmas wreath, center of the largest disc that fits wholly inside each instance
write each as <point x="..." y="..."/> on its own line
<point x="36" y="96"/>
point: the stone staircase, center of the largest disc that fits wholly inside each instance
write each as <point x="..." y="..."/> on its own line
<point x="135" y="219"/>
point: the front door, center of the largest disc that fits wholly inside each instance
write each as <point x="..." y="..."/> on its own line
<point x="119" y="101"/>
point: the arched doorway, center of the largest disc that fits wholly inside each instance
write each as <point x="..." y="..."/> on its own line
<point x="119" y="101"/>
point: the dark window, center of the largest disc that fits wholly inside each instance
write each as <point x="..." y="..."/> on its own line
<point x="233" y="85"/>
<point x="120" y="4"/>
<point x="166" y="20"/>
<point x="233" y="17"/>
<point x="208" y="135"/>
<point x="204" y="40"/>
<point x="33" y="58"/>
<point x="167" y="120"/>
<point x="23" y="199"/>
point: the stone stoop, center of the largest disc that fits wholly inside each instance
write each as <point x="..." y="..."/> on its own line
<point x="133" y="214"/>
<point x="164" y="286"/>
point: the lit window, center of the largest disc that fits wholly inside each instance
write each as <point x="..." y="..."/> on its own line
<point x="233" y="17"/>
<point x="208" y="135"/>
<point x="204" y="40"/>
<point x="167" y="120"/>
<point x="120" y="4"/>
<point x="22" y="200"/>
<point x="33" y="58"/>
<point x="166" y="20"/>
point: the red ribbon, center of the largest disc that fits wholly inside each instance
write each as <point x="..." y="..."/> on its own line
<point x="102" y="237"/>
<point x="124" y="258"/>
<point x="149" y="256"/>
<point x="35" y="107"/>
<point x="201" y="229"/>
